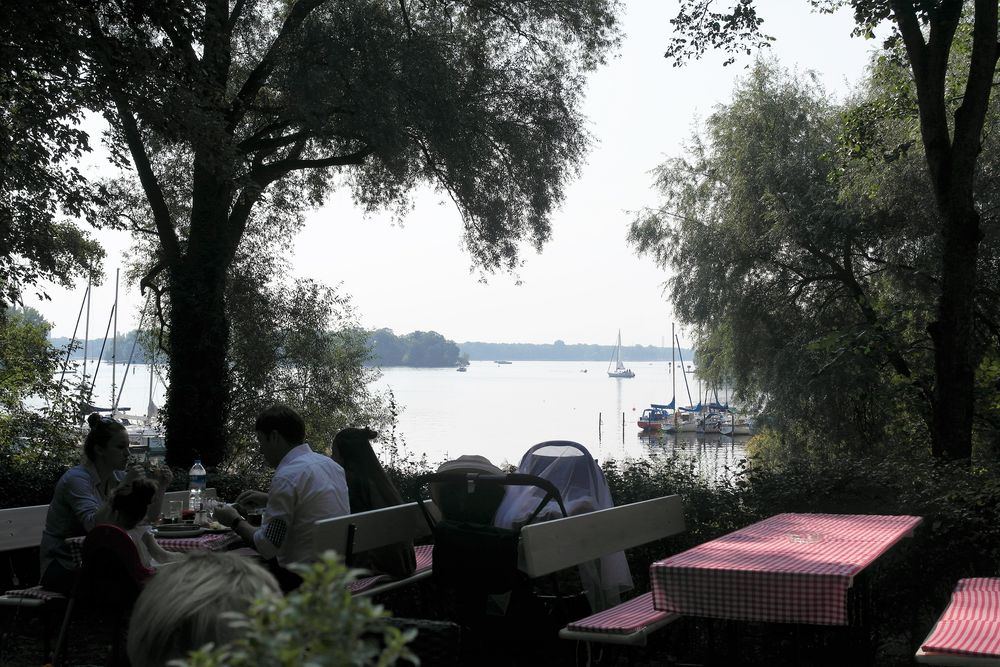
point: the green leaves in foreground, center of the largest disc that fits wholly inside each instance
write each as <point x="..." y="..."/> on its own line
<point x="317" y="625"/>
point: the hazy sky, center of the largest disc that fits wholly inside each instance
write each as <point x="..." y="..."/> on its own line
<point x="587" y="282"/>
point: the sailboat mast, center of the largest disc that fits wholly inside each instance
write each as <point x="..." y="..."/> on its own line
<point x="86" y="329"/>
<point x="114" y="350"/>
<point x="673" y="377"/>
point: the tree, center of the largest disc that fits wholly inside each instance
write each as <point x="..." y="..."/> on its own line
<point x="951" y="145"/>
<point x="226" y="109"/>
<point x="40" y="108"/>
<point x="35" y="407"/>
<point x="784" y="276"/>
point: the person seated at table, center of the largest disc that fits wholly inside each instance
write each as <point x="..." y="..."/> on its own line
<point x="306" y="487"/>
<point x="581" y="483"/>
<point x="129" y="506"/>
<point x="81" y="498"/>
<point x="369" y="488"/>
<point x="182" y="608"/>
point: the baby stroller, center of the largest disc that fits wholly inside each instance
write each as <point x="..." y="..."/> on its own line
<point x="580" y="482"/>
<point x="476" y="566"/>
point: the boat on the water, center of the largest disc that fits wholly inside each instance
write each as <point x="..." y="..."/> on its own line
<point x="620" y="371"/>
<point x="737" y="425"/>
<point x="462" y="369"/>
<point x="502" y="363"/>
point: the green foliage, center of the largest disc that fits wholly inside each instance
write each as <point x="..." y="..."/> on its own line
<point x="299" y="346"/>
<point x="951" y="51"/>
<point x="797" y="291"/>
<point x="320" y="624"/>
<point x="37" y="412"/>
<point x="241" y="120"/>
<point x="40" y="138"/>
<point x="418" y="348"/>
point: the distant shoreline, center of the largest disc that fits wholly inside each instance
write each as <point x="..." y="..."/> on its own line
<point x="473" y="350"/>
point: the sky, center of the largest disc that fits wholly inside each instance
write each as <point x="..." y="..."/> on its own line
<point x="587" y="283"/>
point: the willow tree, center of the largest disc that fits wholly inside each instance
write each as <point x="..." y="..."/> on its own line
<point x="228" y="106"/>
<point x="952" y="144"/>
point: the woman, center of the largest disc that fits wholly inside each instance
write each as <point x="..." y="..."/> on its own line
<point x="81" y="498"/>
<point x="369" y="488"/>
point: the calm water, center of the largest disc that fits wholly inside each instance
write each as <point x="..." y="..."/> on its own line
<point x="499" y="411"/>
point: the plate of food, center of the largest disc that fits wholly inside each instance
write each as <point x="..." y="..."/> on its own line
<point x="179" y="530"/>
<point x="215" y="527"/>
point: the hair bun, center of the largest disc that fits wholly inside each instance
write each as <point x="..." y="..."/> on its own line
<point x="93" y="420"/>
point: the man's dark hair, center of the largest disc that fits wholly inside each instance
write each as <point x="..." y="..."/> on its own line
<point x="285" y="421"/>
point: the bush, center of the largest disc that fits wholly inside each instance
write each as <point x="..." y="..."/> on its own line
<point x="319" y="624"/>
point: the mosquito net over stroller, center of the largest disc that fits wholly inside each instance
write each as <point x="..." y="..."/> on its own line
<point x="580" y="481"/>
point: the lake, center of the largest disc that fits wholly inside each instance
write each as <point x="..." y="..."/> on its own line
<point x="499" y="411"/>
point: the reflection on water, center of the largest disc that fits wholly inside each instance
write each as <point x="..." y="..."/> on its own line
<point x="715" y="456"/>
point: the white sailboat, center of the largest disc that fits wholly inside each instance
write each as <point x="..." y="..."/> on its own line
<point x="616" y="359"/>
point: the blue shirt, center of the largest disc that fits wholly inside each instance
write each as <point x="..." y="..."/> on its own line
<point x="79" y="494"/>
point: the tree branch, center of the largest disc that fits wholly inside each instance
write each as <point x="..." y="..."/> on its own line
<point x="255" y="81"/>
<point x="274" y="170"/>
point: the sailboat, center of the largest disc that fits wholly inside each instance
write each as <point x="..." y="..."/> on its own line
<point x="616" y="359"/>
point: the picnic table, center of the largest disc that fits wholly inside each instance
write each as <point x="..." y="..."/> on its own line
<point x="789" y="568"/>
<point x="207" y="542"/>
<point x="968" y="632"/>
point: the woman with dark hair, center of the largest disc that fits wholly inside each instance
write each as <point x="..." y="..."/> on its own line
<point x="369" y="488"/>
<point x="81" y="499"/>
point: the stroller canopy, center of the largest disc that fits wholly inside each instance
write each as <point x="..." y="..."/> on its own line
<point x="575" y="473"/>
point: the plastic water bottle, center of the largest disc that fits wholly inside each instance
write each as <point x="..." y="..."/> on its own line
<point x="197" y="479"/>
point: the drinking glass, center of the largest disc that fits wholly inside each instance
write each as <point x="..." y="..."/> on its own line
<point x="174" y="509"/>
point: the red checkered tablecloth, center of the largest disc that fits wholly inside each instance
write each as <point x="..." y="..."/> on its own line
<point x="208" y="542"/>
<point x="790" y="568"/>
<point x="970" y="625"/>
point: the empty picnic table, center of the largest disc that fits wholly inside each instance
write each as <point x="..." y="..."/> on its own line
<point x="790" y="568"/>
<point x="968" y="632"/>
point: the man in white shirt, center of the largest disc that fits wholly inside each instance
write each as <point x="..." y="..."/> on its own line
<point x="306" y="487"/>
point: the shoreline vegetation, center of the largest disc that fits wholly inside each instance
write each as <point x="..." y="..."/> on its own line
<point x="419" y="349"/>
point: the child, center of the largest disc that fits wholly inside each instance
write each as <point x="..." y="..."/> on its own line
<point x="129" y="505"/>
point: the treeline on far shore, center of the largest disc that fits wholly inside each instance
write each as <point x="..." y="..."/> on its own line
<point x="560" y="351"/>
<point x="426" y="349"/>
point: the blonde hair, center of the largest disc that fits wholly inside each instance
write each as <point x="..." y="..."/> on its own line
<point x="180" y="608"/>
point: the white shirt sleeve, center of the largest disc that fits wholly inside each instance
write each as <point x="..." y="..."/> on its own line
<point x="278" y="518"/>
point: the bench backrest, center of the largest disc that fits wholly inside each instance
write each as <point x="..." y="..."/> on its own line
<point x="21" y="527"/>
<point x="554" y="545"/>
<point x="375" y="528"/>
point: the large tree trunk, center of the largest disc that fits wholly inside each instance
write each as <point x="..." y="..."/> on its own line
<point x="198" y="397"/>
<point x="955" y="356"/>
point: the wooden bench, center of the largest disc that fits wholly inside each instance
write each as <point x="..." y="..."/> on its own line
<point x="356" y="533"/>
<point x="555" y="545"/>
